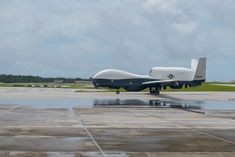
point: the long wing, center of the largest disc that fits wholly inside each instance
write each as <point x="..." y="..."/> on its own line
<point x="159" y="82"/>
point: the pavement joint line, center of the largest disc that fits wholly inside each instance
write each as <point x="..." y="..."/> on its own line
<point x="77" y="116"/>
<point x="202" y="132"/>
<point x="9" y="110"/>
<point x="209" y="134"/>
<point x="147" y="154"/>
<point x="30" y="126"/>
<point x="189" y="110"/>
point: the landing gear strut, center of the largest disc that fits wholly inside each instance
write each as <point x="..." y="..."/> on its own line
<point x="117" y="91"/>
<point x="154" y="91"/>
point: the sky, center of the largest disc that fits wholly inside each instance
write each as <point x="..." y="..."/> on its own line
<point x="77" y="38"/>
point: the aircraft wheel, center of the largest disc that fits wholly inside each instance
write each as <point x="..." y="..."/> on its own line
<point x="117" y="92"/>
<point x="151" y="90"/>
<point x="157" y="92"/>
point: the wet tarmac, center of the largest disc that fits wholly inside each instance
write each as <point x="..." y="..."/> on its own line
<point x="115" y="127"/>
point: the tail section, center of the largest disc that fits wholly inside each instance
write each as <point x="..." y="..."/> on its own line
<point x="199" y="67"/>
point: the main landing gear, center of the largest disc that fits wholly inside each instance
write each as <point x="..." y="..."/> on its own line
<point x="154" y="91"/>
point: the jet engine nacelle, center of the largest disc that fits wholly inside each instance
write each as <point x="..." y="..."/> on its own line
<point x="195" y="84"/>
<point x="176" y="85"/>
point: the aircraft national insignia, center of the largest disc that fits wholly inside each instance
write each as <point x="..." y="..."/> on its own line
<point x="171" y="76"/>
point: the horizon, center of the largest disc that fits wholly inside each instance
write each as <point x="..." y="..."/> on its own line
<point x="82" y="78"/>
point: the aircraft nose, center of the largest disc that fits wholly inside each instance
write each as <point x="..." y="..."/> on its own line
<point x="95" y="82"/>
<point x="98" y="75"/>
<point x="94" y="76"/>
<point x="95" y="79"/>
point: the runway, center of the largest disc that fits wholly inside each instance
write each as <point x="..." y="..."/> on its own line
<point x="17" y="92"/>
<point x="75" y="124"/>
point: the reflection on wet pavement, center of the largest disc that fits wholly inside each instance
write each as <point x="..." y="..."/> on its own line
<point x="148" y="103"/>
<point x="116" y="128"/>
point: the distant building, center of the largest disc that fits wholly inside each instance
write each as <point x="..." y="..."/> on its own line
<point x="232" y="81"/>
<point x="77" y="82"/>
<point x="82" y="82"/>
<point x="59" y="81"/>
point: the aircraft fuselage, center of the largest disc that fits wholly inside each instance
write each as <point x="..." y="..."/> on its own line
<point x="158" y="78"/>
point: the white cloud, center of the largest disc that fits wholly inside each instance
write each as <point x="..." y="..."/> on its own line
<point x="77" y="38"/>
<point x="162" y="6"/>
<point x="186" y="27"/>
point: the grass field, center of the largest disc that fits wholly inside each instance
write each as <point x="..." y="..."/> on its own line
<point x="85" y="86"/>
<point x="205" y="87"/>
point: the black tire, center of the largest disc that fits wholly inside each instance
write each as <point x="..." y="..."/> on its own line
<point x="117" y="92"/>
<point x="157" y="92"/>
<point x="154" y="91"/>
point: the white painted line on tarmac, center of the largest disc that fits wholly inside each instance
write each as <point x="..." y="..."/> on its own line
<point x="78" y="117"/>
<point x="202" y="132"/>
<point x="211" y="135"/>
<point x="148" y="154"/>
<point x="9" y="110"/>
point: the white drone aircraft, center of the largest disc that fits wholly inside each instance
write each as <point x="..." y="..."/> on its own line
<point x="158" y="78"/>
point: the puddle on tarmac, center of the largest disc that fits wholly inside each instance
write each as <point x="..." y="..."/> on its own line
<point x="91" y="103"/>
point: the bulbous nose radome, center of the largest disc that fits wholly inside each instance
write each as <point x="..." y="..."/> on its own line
<point x="98" y="75"/>
<point x="96" y="79"/>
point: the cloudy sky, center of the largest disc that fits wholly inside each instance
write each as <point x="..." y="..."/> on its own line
<point x="77" y="38"/>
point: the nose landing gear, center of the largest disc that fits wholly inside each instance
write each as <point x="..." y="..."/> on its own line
<point x="154" y="91"/>
<point x="117" y="91"/>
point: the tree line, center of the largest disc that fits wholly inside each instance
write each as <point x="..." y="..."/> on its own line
<point x="36" y="79"/>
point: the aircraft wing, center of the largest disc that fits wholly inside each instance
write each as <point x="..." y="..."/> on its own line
<point x="159" y="82"/>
